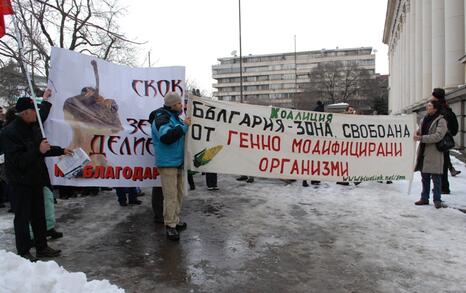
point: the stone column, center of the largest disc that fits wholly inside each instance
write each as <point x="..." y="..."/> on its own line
<point x="454" y="43"/>
<point x="438" y="43"/>
<point x="418" y="49"/>
<point x="426" y="48"/>
<point x="411" y="53"/>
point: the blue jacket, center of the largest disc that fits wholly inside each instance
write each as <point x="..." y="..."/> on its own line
<point x="168" y="134"/>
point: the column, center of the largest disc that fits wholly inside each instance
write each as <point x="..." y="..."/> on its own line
<point x="411" y="52"/>
<point x="438" y="43"/>
<point x="454" y="43"/>
<point x="418" y="51"/>
<point x="426" y="48"/>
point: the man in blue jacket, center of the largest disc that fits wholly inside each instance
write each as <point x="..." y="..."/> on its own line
<point x="168" y="135"/>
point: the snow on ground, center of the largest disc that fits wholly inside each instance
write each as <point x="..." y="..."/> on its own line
<point x="362" y="238"/>
<point x="20" y="275"/>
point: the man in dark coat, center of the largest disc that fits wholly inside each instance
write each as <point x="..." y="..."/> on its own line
<point x="438" y="94"/>
<point x="25" y="150"/>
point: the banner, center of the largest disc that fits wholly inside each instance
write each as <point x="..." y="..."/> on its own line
<point x="262" y="141"/>
<point x="103" y="108"/>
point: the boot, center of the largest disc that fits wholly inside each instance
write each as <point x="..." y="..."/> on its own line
<point x="135" y="202"/>
<point x="242" y="178"/>
<point x="453" y="172"/>
<point x="422" y="202"/>
<point x="305" y="184"/>
<point x="439" y="204"/>
<point x="48" y="252"/>
<point x="343" y="183"/>
<point x="29" y="257"/>
<point x="315" y="182"/>
<point x="54" y="234"/>
<point x="250" y="179"/>
<point x="181" y="226"/>
<point x="172" y="234"/>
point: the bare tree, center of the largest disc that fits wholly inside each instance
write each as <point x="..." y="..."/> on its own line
<point x="84" y="26"/>
<point x="333" y="82"/>
<point x="12" y="83"/>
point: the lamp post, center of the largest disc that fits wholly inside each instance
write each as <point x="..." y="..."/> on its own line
<point x="240" y="56"/>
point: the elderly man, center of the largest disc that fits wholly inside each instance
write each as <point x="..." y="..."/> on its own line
<point x="25" y="150"/>
<point x="168" y="134"/>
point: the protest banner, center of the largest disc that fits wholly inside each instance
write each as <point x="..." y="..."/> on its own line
<point x="271" y="142"/>
<point x="103" y="108"/>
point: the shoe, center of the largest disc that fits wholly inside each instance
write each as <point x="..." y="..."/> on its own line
<point x="422" y="202"/>
<point x="445" y="191"/>
<point x="343" y="183"/>
<point x="453" y="172"/>
<point x="214" y="188"/>
<point x="305" y="184"/>
<point x="48" y="252"/>
<point x="242" y="178"/>
<point x="29" y="257"/>
<point x="181" y="226"/>
<point x="357" y="183"/>
<point x="250" y="180"/>
<point x="192" y="187"/>
<point x="54" y="234"/>
<point x="172" y="234"/>
<point x="315" y="182"/>
<point x="439" y="204"/>
<point x="123" y="204"/>
<point x="389" y="182"/>
<point x="140" y="194"/>
<point x="135" y="202"/>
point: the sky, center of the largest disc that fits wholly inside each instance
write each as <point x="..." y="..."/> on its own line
<point x="195" y="33"/>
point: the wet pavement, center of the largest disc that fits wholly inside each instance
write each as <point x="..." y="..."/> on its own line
<point x="237" y="240"/>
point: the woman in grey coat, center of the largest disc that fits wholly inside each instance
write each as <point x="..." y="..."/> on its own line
<point x="429" y="159"/>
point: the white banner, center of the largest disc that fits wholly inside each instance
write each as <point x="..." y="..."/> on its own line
<point x="104" y="108"/>
<point x="261" y="141"/>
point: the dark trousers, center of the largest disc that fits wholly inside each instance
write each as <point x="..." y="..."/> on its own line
<point x="123" y="191"/>
<point x="437" y="179"/>
<point x="29" y="209"/>
<point x="191" y="181"/>
<point x="211" y="179"/>
<point x="446" y="164"/>
<point x="157" y="203"/>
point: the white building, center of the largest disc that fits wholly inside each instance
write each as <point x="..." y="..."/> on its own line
<point x="275" y="78"/>
<point x="426" y="40"/>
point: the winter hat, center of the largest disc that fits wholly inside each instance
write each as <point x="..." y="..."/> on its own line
<point x="439" y="93"/>
<point x="172" y="99"/>
<point x="23" y="104"/>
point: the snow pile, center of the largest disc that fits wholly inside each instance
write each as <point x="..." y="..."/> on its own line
<point x="20" y="275"/>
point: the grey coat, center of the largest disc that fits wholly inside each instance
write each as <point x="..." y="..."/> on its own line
<point x="432" y="159"/>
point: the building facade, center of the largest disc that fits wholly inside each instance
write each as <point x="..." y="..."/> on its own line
<point x="427" y="49"/>
<point x="274" y="79"/>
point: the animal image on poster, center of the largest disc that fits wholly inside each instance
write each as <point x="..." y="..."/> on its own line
<point x="90" y="114"/>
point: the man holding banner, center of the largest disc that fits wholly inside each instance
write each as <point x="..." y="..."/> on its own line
<point x="168" y="134"/>
<point x="25" y="150"/>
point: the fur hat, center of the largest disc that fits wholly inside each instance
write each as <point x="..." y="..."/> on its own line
<point x="23" y="104"/>
<point x="439" y="93"/>
<point x="172" y="99"/>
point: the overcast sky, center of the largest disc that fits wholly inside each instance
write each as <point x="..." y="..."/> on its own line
<point x="194" y="33"/>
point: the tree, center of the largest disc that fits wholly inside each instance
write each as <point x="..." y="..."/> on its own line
<point x="333" y="82"/>
<point x="84" y="26"/>
<point x="12" y="82"/>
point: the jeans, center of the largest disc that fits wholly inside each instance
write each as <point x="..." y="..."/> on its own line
<point x="122" y="191"/>
<point x="437" y="179"/>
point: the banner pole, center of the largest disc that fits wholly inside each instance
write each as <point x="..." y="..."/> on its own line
<point x="28" y="77"/>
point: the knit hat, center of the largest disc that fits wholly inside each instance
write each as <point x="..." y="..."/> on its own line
<point x="23" y="104"/>
<point x="172" y="99"/>
<point x="439" y="93"/>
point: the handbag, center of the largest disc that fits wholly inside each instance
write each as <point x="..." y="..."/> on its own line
<point x="447" y="143"/>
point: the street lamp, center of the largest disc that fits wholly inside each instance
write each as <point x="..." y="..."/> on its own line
<point x="240" y="56"/>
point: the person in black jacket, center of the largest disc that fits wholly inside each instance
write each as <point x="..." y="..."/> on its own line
<point x="438" y="94"/>
<point x="25" y="150"/>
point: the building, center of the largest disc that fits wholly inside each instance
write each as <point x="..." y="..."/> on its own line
<point x="273" y="79"/>
<point x="426" y="49"/>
